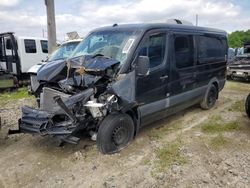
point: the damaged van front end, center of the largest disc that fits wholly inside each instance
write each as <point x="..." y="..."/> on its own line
<point x="84" y="98"/>
<point x="62" y="122"/>
<point x="88" y="93"/>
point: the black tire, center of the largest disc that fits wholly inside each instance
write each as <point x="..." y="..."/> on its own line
<point x="232" y="77"/>
<point x="209" y="98"/>
<point x="115" y="133"/>
<point x="247" y="105"/>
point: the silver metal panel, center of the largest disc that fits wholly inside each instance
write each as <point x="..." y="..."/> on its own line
<point x="47" y="99"/>
<point x="34" y="83"/>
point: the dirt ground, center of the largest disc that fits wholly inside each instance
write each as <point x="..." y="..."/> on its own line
<point x="194" y="148"/>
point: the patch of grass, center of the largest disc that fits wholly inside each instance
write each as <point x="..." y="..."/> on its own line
<point x="168" y="155"/>
<point x="238" y="106"/>
<point x="237" y="86"/>
<point x="145" y="160"/>
<point x="15" y="95"/>
<point x="160" y="132"/>
<point x="215" y="124"/>
<point x="218" y="141"/>
<point x="6" y="83"/>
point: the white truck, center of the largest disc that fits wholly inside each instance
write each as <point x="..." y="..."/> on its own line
<point x="17" y="55"/>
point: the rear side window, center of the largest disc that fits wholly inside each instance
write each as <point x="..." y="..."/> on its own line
<point x="30" y="46"/>
<point x="8" y="44"/>
<point x="184" y="51"/>
<point x="211" y="49"/>
<point x="44" y="46"/>
<point x="154" y="47"/>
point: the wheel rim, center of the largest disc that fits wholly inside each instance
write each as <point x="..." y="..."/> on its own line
<point x="211" y="97"/>
<point x="120" y="134"/>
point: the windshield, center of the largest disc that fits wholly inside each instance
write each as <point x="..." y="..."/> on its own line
<point x="113" y="44"/>
<point x="64" y="51"/>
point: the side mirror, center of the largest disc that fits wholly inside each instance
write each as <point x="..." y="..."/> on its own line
<point x="143" y="65"/>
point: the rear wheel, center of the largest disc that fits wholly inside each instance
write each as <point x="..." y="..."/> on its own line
<point x="247" y="105"/>
<point x="115" y="133"/>
<point x="209" y="98"/>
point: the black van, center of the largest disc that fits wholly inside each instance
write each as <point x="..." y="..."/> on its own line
<point x="123" y="77"/>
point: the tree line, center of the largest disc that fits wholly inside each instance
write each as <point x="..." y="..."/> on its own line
<point x="237" y="38"/>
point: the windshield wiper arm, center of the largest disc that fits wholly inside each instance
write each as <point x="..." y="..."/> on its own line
<point x="100" y="55"/>
<point x="97" y="55"/>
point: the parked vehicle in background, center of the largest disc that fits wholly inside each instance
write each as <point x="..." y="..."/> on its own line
<point x="62" y="53"/>
<point x="18" y="54"/>
<point x="239" y="51"/>
<point x="231" y="55"/>
<point x="123" y="77"/>
<point x="240" y="68"/>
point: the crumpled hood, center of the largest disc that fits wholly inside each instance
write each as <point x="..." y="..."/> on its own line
<point x="57" y="70"/>
<point x="50" y="70"/>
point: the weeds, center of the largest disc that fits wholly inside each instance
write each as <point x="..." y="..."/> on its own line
<point x="216" y="125"/>
<point x="159" y="133"/>
<point x="238" y="106"/>
<point x="168" y="155"/>
<point x="15" y="95"/>
<point x="237" y="86"/>
<point x="218" y="141"/>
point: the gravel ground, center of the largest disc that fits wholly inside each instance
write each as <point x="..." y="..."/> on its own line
<point x="193" y="148"/>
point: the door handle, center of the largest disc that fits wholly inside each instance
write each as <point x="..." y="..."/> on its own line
<point x="164" y="77"/>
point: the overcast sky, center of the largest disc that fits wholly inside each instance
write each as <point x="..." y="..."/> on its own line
<point x="28" y="17"/>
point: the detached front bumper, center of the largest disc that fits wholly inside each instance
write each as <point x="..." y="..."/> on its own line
<point x="61" y="123"/>
<point x="34" y="121"/>
<point x="40" y="122"/>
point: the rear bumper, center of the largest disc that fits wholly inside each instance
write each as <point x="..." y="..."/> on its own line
<point x="239" y="73"/>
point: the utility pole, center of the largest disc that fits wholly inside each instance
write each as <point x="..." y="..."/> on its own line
<point x="51" y="25"/>
<point x="196" y="19"/>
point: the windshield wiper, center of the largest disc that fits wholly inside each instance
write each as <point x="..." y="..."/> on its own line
<point x="100" y="55"/>
<point x="97" y="55"/>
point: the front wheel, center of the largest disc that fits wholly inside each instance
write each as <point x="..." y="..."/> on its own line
<point x="209" y="98"/>
<point x="115" y="133"/>
<point x="247" y="105"/>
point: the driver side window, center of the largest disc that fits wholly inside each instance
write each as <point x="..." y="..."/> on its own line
<point x="154" y="47"/>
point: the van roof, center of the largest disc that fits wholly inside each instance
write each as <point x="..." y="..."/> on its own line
<point x="148" y="26"/>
